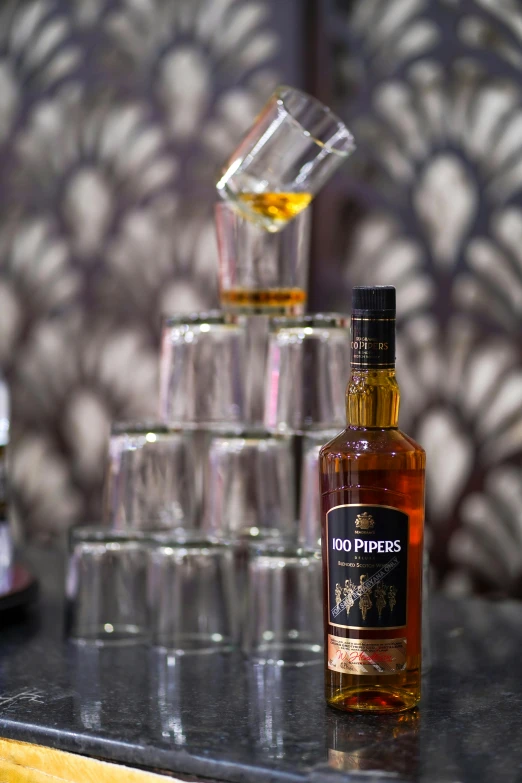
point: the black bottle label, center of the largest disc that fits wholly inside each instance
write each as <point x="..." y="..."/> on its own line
<point x="367" y="566"/>
<point x="373" y="341"/>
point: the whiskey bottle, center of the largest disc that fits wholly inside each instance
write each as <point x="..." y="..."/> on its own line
<point x="372" y="489"/>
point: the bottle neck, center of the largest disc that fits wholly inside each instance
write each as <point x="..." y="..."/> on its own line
<point x="372" y="395"/>
<point x="372" y="398"/>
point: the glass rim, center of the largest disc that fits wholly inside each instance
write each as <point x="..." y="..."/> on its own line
<point x="179" y="644"/>
<point x="97" y="637"/>
<point x="310" y="320"/>
<point x="187" y="539"/>
<point x="140" y="428"/>
<point x="250" y="434"/>
<point x="97" y="533"/>
<point x="176" y="538"/>
<point x="282" y="547"/>
<point x="213" y="317"/>
<point x="205" y="425"/>
<point x="285" y="89"/>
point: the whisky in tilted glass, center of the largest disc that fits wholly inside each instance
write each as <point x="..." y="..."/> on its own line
<point x="272" y="211"/>
<point x="372" y="493"/>
<point x="291" y="151"/>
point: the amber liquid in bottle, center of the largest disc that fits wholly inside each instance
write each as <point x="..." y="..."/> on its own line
<point x="373" y="466"/>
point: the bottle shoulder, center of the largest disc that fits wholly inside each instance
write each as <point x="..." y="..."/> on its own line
<point x="360" y="441"/>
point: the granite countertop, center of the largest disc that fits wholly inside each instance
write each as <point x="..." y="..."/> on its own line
<point x="218" y="717"/>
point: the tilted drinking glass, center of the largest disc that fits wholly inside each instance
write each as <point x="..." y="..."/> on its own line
<point x="292" y="149"/>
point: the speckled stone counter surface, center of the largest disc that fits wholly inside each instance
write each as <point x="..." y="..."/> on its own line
<point x="219" y="718"/>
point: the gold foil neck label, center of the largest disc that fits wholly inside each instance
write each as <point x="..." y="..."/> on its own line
<point x="366" y="656"/>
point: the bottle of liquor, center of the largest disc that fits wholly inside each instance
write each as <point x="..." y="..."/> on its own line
<point x="372" y="486"/>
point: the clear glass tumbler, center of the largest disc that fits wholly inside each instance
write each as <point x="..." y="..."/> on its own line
<point x="191" y="595"/>
<point x="202" y="371"/>
<point x="284" y="615"/>
<point x="260" y="272"/>
<point x="6" y="557"/>
<point x="106" y="587"/>
<point x="150" y="479"/>
<point x="257" y="336"/>
<point x="249" y="484"/>
<point x="293" y="148"/>
<point x="308" y="368"/>
<point x="310" y="494"/>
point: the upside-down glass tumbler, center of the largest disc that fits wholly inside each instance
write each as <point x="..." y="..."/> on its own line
<point x="106" y="587"/>
<point x="308" y="367"/>
<point x="309" y="528"/>
<point x="284" y="614"/>
<point x="249" y="486"/>
<point x="191" y="595"/>
<point x="150" y="478"/>
<point x="202" y="372"/>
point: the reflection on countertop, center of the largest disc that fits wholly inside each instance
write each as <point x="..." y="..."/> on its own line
<point x="218" y="717"/>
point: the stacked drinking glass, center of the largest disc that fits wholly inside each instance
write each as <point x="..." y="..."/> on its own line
<point x="211" y="536"/>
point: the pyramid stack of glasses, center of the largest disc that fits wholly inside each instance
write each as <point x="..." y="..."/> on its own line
<point x="211" y="535"/>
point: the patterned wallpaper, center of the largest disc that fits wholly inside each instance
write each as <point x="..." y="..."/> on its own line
<point x="115" y="116"/>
